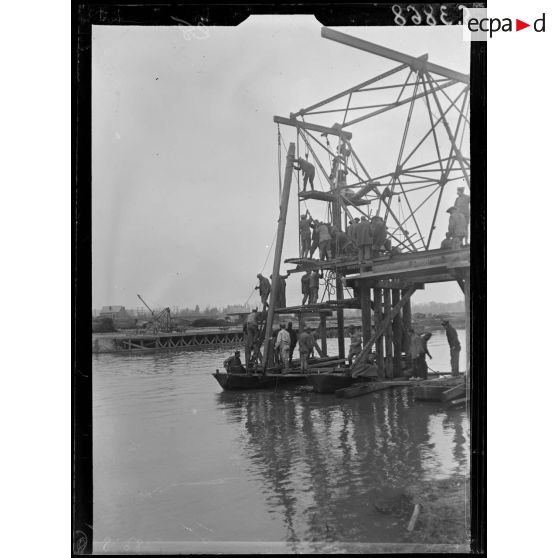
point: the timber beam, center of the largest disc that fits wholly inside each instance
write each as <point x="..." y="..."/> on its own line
<point x="381" y="328"/>
<point x="335" y="131"/>
<point x="417" y="264"/>
<point x="330" y="197"/>
<point x="389" y="284"/>
<point x="411" y="61"/>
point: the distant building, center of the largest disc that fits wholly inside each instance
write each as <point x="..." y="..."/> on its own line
<point x="113" y="312"/>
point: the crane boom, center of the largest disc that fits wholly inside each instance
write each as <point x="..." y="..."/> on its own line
<point x="145" y="304"/>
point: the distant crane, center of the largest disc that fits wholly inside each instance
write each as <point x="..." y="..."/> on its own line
<point x="160" y="321"/>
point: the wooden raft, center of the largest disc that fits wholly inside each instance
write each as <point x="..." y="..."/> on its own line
<point x="442" y="389"/>
<point x="370" y="387"/>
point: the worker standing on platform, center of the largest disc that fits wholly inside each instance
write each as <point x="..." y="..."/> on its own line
<point x="314" y="287"/>
<point x="305" y="235"/>
<point x="334" y="167"/>
<point x="422" y="368"/>
<point x="379" y="233"/>
<point x="280" y="298"/>
<point x="324" y="241"/>
<point x="341" y="243"/>
<point x="251" y="329"/>
<point x="283" y="343"/>
<point x="454" y="345"/>
<point x="265" y="288"/>
<point x="363" y="233"/>
<point x="351" y="230"/>
<point x="462" y="204"/>
<point x="308" y="172"/>
<point x="457" y="227"/>
<point x="416" y="349"/>
<point x="305" y="285"/>
<point x="314" y="224"/>
<point x="356" y="343"/>
<point x="305" y="347"/>
<point x="294" y="340"/>
<point x="447" y="243"/>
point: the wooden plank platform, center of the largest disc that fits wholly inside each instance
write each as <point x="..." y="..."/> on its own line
<point x="360" y="389"/>
<point x="454" y="392"/>
<point x="434" y="389"/>
<point x="330" y="197"/>
<point x="370" y="387"/>
<point x="433" y="265"/>
<point x="325" y="308"/>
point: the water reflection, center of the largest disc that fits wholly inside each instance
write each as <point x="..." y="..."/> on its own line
<point x="176" y="459"/>
<point x="324" y="463"/>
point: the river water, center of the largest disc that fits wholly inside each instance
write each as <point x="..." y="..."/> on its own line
<point x="176" y="459"/>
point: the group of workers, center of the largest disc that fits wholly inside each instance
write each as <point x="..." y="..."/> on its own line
<point x="458" y="225"/>
<point x="286" y="341"/>
<point x="310" y="285"/>
<point x="364" y="237"/>
<point x="324" y="237"/>
<point x="287" y="338"/>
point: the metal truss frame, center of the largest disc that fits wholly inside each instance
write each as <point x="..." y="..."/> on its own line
<point x="437" y="86"/>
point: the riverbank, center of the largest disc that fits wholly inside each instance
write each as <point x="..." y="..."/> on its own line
<point x="445" y="511"/>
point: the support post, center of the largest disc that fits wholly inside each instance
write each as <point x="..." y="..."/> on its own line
<point x="397" y="336"/>
<point x="323" y="332"/>
<point x="407" y="320"/>
<point x="282" y="221"/>
<point x="336" y="221"/>
<point x="365" y="308"/>
<point x="388" y="335"/>
<point x="379" y="341"/>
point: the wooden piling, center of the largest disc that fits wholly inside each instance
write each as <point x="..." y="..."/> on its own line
<point x="268" y="349"/>
<point x="366" y="310"/>
<point x="397" y="335"/>
<point x="380" y="340"/>
<point x="407" y="321"/>
<point x="388" y="336"/>
<point x="336" y="221"/>
<point x="323" y="332"/>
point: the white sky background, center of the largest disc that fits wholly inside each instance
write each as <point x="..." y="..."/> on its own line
<point x="185" y="174"/>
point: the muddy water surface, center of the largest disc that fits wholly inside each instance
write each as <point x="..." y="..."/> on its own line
<point x="177" y="459"/>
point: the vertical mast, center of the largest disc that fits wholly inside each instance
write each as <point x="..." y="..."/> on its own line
<point x="268" y="350"/>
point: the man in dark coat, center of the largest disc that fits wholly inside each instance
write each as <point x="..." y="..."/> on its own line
<point x="264" y="287"/>
<point x="314" y="224"/>
<point x="457" y="227"/>
<point x="363" y="233"/>
<point x="379" y="233"/>
<point x="305" y="285"/>
<point x="280" y="298"/>
<point x="294" y="340"/>
<point x="308" y="172"/>
<point x="233" y="365"/>
<point x="454" y="345"/>
<point x="305" y="347"/>
<point x="314" y="287"/>
<point x="305" y="235"/>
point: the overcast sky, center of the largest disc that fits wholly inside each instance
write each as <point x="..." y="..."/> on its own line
<point x="185" y="170"/>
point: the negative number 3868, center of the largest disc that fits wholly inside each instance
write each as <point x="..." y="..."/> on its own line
<point x="418" y="14"/>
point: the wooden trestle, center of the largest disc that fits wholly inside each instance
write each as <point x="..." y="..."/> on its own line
<point x="386" y="292"/>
